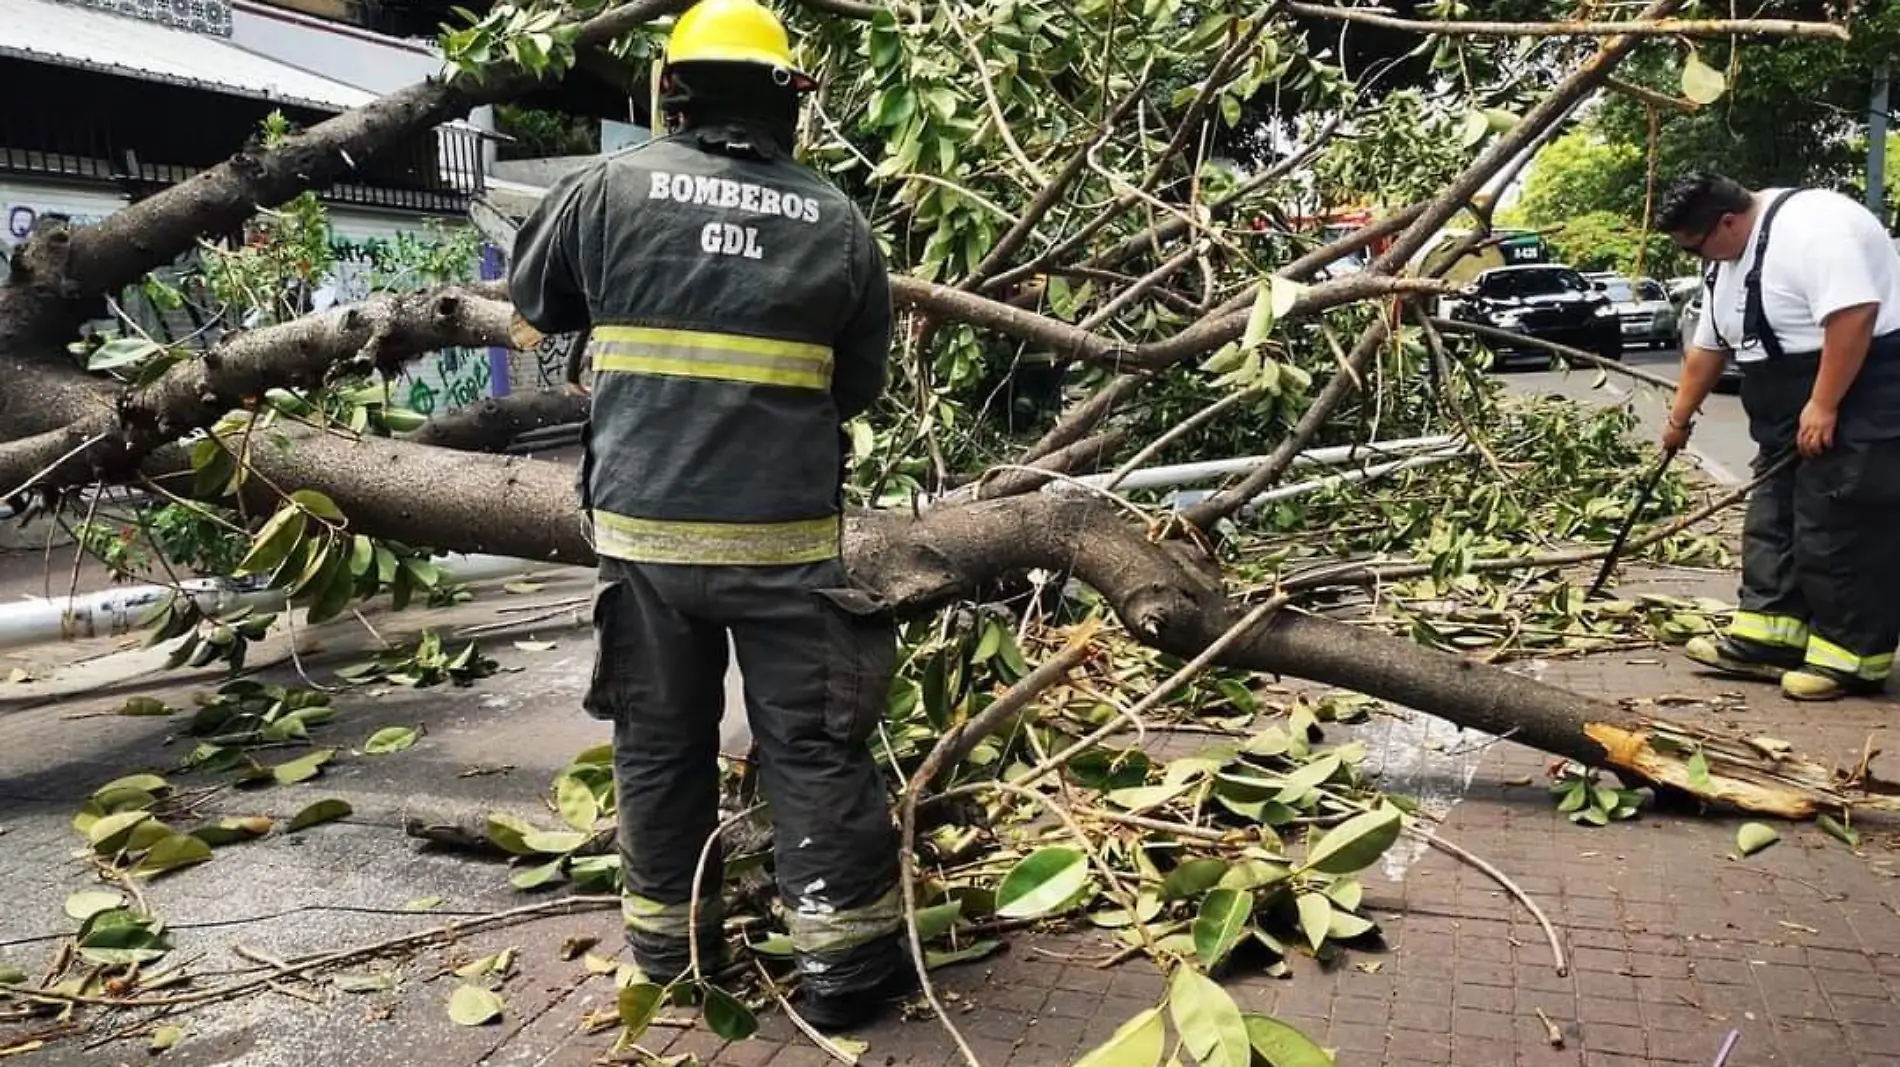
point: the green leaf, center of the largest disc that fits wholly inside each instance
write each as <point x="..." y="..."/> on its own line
<point x="580" y="808"/>
<point x="110" y="833"/>
<point x="141" y="706"/>
<point x="936" y="921"/>
<point x="391" y="739"/>
<point x="536" y="877"/>
<point x="12" y="976"/>
<point x="638" y="1005"/>
<point x="1260" y="319"/>
<point x="121" y="352"/>
<point x="1699" y="771"/>
<point x="1255" y="874"/>
<point x="726" y="1016"/>
<point x="1142" y="797"/>
<point x="165" y="1037"/>
<point x="1219" y="926"/>
<point x="144" y="783"/>
<point x="172" y="852"/>
<point x="1701" y="83"/>
<point x="1753" y="837"/>
<point x="1208" y="1020"/>
<point x="274" y="542"/>
<point x="1138" y="1042"/>
<point x="86" y="903"/>
<point x="1041" y="882"/>
<point x="325" y="810"/>
<point x="1298" y="785"/>
<point x="471" y="1005"/>
<point x="1840" y="831"/>
<point x="303" y="768"/>
<point x="1316" y="917"/>
<point x="509" y="833"/>
<point x="553" y="842"/>
<point x="1193" y="878"/>
<point x="1356" y="843"/>
<point x="421" y="904"/>
<point x="1347" y="893"/>
<point x="976" y="950"/>
<point x="1281" y="1045"/>
<point x="1575" y="797"/>
<point x="380" y="982"/>
<point x="317" y="504"/>
<point x="229" y="831"/>
<point x="1343" y="926"/>
<point x="1473" y="129"/>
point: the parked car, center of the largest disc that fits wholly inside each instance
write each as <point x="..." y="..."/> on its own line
<point x="1548" y="302"/>
<point x="1691" y="313"/>
<point x="1643" y="309"/>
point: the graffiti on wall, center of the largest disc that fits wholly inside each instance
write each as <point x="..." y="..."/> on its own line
<point x="450" y="379"/>
<point x="438" y="383"/>
<point x="16" y="225"/>
<point x="435" y="384"/>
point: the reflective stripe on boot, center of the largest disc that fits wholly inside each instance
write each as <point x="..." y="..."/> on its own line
<point x="1775" y="631"/>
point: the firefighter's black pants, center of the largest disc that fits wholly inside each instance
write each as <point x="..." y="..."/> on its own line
<point x="816" y="657"/>
<point x="1821" y="543"/>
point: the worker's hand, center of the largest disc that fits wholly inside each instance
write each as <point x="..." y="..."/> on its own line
<point x="1675" y="435"/>
<point x="1816" y="434"/>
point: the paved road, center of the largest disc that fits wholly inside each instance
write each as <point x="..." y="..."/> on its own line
<point x="1721" y="443"/>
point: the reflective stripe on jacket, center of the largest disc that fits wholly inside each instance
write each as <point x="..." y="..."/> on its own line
<point x="738" y="313"/>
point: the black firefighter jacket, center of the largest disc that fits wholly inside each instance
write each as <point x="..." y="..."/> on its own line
<point x="739" y="315"/>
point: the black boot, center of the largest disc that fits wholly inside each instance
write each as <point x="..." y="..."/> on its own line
<point x="847" y="991"/>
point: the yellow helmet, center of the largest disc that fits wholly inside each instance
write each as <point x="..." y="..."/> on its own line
<point x="734" y="31"/>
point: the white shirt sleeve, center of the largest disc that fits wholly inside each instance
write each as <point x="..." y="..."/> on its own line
<point x="1842" y="268"/>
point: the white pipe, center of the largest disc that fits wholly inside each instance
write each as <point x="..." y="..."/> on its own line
<point x="1189" y="473"/>
<point x="112" y="612"/>
<point x="1360" y="474"/>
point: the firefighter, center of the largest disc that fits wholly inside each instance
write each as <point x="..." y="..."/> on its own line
<point x="1804" y="291"/>
<point x="738" y="313"/>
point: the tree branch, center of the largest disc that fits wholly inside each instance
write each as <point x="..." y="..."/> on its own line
<point x="109" y="255"/>
<point x="490" y="425"/>
<point x="1576" y="86"/>
<point x="1651" y="96"/>
<point x="1641" y="27"/>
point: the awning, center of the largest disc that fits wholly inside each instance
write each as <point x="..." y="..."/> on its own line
<point x="43" y="32"/>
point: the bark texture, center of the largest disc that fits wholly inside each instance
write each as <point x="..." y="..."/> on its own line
<point x="490" y="425"/>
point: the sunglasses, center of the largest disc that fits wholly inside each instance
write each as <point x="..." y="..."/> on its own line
<point x="1695" y="246"/>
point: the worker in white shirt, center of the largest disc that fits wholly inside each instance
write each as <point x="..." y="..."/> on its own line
<point x="1803" y="290"/>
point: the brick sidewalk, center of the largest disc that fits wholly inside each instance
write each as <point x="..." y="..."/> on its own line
<point x="1672" y="944"/>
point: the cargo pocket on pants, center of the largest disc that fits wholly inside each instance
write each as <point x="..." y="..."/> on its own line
<point x="605" y="695"/>
<point x="863" y="654"/>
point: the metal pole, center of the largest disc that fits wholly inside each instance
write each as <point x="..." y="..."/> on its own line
<point x="1877" y="146"/>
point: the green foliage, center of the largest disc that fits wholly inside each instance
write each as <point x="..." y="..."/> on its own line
<point x="538" y="133"/>
<point x="1583" y="797"/>
<point x="1404" y="149"/>
<point x="285" y="253"/>
<point x="535" y="39"/>
<point x="1792" y="110"/>
<point x="1583" y="173"/>
<point x="1601" y="240"/>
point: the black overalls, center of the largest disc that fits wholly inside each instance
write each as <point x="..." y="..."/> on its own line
<point x="1821" y="543"/>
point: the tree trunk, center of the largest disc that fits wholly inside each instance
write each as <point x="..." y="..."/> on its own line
<point x="1166" y="594"/>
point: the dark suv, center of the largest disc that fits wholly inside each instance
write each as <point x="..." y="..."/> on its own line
<point x="1550" y="303"/>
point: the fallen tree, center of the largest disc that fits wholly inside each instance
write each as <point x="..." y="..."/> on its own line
<point x="74" y="428"/>
<point x="1062" y="208"/>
